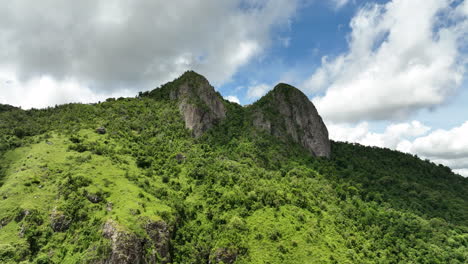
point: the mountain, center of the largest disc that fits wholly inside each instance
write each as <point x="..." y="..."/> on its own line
<point x="199" y="104"/>
<point x="180" y="175"/>
<point x="4" y="108"/>
<point x="287" y="113"/>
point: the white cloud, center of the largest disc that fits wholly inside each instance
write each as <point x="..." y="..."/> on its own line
<point x="392" y="137"/>
<point x="232" y="98"/>
<point x="403" y="56"/>
<point x="44" y="91"/>
<point x="462" y="172"/>
<point x="340" y="3"/>
<point x="463" y="8"/>
<point x="136" y="45"/>
<point x="451" y="144"/>
<point x="257" y="91"/>
<point x="447" y="147"/>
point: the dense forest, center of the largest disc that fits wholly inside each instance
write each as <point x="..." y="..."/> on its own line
<point x="124" y="181"/>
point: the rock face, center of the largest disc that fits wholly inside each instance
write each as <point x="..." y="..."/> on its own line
<point x="287" y="112"/>
<point x="160" y="235"/>
<point x="58" y="221"/>
<point x="223" y="255"/>
<point x="127" y="247"/>
<point x="200" y="105"/>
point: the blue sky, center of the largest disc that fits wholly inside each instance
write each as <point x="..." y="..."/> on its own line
<point x="388" y="73"/>
<point x="318" y="29"/>
<point x="321" y="29"/>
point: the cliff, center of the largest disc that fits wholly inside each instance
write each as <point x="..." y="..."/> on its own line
<point x="286" y="112"/>
<point x="200" y="105"/>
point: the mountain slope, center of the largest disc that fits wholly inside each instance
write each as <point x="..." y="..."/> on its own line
<point x="144" y="188"/>
<point x="4" y="108"/>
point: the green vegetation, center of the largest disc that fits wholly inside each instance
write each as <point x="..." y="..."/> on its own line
<point x="234" y="195"/>
<point x="4" y="108"/>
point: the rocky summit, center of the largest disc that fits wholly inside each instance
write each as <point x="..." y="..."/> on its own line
<point x="287" y="112"/>
<point x="200" y="105"/>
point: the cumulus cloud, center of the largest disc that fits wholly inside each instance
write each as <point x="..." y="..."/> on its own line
<point x="392" y="137"/>
<point x="232" y="98"/>
<point x="449" y="144"/>
<point x="463" y="8"/>
<point x="44" y="91"/>
<point x="257" y="91"/>
<point x="109" y="46"/>
<point x="463" y="172"/>
<point x="339" y="3"/>
<point x="447" y="147"/>
<point x="403" y="56"/>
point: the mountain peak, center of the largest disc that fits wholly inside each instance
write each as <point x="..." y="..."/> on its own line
<point x="190" y="74"/>
<point x="200" y="105"/>
<point x="284" y="87"/>
<point x="287" y="92"/>
<point x="287" y="112"/>
<point x="284" y="112"/>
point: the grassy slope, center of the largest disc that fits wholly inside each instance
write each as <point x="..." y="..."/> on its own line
<point x="37" y="179"/>
<point x="238" y="192"/>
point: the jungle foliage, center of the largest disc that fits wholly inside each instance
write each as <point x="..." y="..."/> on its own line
<point x="234" y="195"/>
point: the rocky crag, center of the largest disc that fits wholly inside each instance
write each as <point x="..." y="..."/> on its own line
<point x="285" y="112"/>
<point x="127" y="247"/>
<point x="200" y="105"/>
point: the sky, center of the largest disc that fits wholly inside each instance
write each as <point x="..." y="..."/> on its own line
<point x="386" y="73"/>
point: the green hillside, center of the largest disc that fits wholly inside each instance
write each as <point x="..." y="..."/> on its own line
<point x="4" y="108"/>
<point x="143" y="190"/>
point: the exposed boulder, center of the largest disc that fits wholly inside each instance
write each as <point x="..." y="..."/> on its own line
<point x="58" y="221"/>
<point x="200" y="105"/>
<point x="224" y="255"/>
<point x="22" y="214"/>
<point x="4" y="221"/>
<point x="94" y="197"/>
<point x="286" y="112"/>
<point x="101" y="130"/>
<point x="160" y="235"/>
<point x="127" y="247"/>
<point x="180" y="157"/>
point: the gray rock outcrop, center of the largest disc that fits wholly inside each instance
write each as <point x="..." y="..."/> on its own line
<point x="127" y="247"/>
<point x="101" y="130"/>
<point x="224" y="255"/>
<point x="58" y="221"/>
<point x="200" y="105"/>
<point x="160" y="235"/>
<point x="287" y="112"/>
